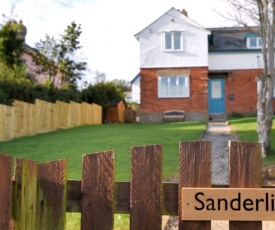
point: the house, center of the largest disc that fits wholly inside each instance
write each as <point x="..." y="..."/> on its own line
<point x="203" y="72"/>
<point x="28" y="54"/>
<point x="135" y="89"/>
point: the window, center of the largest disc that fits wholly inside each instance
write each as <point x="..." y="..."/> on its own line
<point x="254" y="42"/>
<point x="173" y="41"/>
<point x="173" y="86"/>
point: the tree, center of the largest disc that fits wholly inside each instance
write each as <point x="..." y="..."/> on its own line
<point x="102" y="93"/>
<point x="122" y="84"/>
<point x="57" y="57"/>
<point x="12" y="37"/>
<point x="261" y="13"/>
<point x="99" y="77"/>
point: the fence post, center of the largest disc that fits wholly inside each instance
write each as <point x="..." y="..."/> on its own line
<point x="24" y="198"/>
<point x="52" y="195"/>
<point x="146" y="187"/>
<point x="195" y="171"/>
<point x="245" y="171"/>
<point x="97" y="189"/>
<point x="5" y="191"/>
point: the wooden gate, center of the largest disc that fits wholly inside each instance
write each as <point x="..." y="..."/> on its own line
<point x="39" y="195"/>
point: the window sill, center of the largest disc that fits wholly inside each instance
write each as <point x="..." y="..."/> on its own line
<point x="172" y="51"/>
<point x="170" y="97"/>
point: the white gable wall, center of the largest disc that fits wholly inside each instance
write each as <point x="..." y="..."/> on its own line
<point x="195" y="52"/>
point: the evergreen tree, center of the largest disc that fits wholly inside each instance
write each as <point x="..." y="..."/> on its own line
<point x="12" y="36"/>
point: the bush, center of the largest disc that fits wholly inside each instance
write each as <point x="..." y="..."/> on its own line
<point x="10" y="91"/>
<point x="102" y="94"/>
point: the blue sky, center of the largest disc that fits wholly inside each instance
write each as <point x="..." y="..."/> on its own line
<point x="108" y="26"/>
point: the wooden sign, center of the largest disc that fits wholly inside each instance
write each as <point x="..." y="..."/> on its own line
<point x="228" y="204"/>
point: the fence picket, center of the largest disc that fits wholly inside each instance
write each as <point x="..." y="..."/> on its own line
<point x="146" y="187"/>
<point x="195" y="171"/>
<point x="245" y="171"/>
<point x="40" y="196"/>
<point x="24" y="202"/>
<point x="5" y="191"/>
<point x="52" y="195"/>
<point x="97" y="189"/>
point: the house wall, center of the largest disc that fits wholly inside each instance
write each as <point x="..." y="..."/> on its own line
<point x="195" y="106"/>
<point x="232" y="61"/>
<point x="244" y="68"/>
<point x="242" y="84"/>
<point x="136" y="90"/>
<point x="195" y="42"/>
<point x="32" y="68"/>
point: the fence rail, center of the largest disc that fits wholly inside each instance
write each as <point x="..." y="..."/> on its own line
<point x="43" y="194"/>
<point x="23" y="119"/>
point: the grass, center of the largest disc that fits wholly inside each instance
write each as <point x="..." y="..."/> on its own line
<point x="75" y="142"/>
<point x="245" y="128"/>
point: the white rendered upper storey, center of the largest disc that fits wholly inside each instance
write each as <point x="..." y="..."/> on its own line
<point x="173" y="40"/>
<point x="233" y="48"/>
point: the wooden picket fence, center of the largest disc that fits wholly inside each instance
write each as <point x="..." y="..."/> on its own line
<point x="39" y="195"/>
<point x="23" y="119"/>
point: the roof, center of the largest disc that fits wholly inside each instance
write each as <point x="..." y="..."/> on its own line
<point x="175" y="14"/>
<point x="113" y="103"/>
<point x="135" y="78"/>
<point x="229" y="39"/>
<point x="28" y="49"/>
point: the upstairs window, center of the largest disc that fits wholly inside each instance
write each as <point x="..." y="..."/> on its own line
<point x="173" y="86"/>
<point x="254" y="43"/>
<point x="173" y="41"/>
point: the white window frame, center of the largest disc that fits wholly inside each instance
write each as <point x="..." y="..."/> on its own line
<point x="258" y="43"/>
<point x="171" y="93"/>
<point x="172" y="41"/>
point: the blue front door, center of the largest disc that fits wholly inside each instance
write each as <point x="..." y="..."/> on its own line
<point x="216" y="102"/>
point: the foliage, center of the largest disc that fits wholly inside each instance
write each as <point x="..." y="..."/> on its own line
<point x="122" y="84"/>
<point x="12" y="35"/>
<point x="15" y="74"/>
<point x="13" y="88"/>
<point x="28" y="92"/>
<point x="57" y="57"/>
<point x="102" y="94"/>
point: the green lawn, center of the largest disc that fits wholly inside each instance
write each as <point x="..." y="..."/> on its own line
<point x="75" y="142"/>
<point x="245" y="128"/>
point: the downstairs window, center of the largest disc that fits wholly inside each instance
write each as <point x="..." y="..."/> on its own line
<point x="173" y="86"/>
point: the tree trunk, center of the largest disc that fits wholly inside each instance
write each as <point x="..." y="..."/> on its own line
<point x="266" y="86"/>
<point x="265" y="115"/>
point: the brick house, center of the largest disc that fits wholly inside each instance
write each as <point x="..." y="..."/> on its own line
<point x="28" y="54"/>
<point x="204" y="72"/>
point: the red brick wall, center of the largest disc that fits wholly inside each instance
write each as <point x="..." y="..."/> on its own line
<point x="243" y="84"/>
<point x="197" y="102"/>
